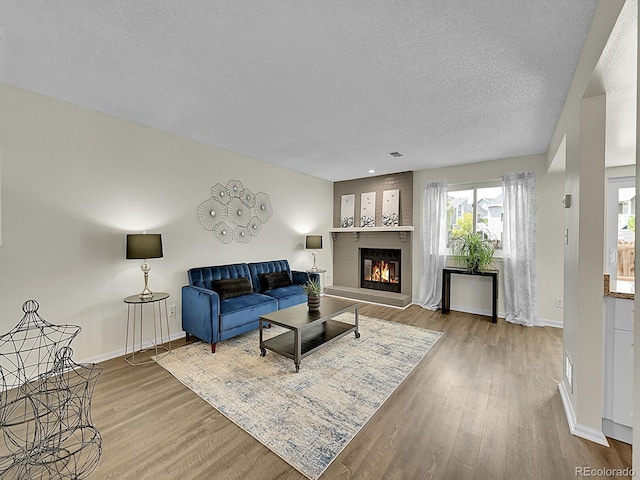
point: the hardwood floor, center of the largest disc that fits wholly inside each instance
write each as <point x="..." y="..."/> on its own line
<point x="483" y="404"/>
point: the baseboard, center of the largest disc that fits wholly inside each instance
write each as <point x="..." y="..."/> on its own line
<point x="487" y="313"/>
<point x="464" y="309"/>
<point x="551" y="323"/>
<point x="119" y="353"/>
<point x="582" y="431"/>
<point x="619" y="432"/>
<point x="475" y="311"/>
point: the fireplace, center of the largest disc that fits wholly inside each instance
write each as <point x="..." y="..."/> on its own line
<point x="380" y="269"/>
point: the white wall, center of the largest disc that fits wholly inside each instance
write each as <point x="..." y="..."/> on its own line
<point x="75" y="182"/>
<point x="585" y="256"/>
<point x="583" y="322"/>
<point x="604" y="19"/>
<point x="469" y="294"/>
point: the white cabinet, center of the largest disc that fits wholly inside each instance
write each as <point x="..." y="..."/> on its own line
<point x="618" y="369"/>
<point x="622" y="404"/>
<point x="623" y="318"/>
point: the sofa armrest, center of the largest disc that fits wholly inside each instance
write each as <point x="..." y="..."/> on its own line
<point x="300" y="278"/>
<point x="201" y="313"/>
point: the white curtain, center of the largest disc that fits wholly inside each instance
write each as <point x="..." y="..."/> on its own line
<point x="519" y="248"/>
<point x="434" y="230"/>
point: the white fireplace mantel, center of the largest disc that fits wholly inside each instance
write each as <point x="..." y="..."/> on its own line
<point x="356" y="231"/>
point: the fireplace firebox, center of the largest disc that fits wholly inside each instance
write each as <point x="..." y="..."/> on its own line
<point x="380" y="269"/>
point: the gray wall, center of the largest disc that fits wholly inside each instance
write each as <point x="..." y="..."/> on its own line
<point x="378" y="184"/>
<point x="346" y="256"/>
<point x="346" y="263"/>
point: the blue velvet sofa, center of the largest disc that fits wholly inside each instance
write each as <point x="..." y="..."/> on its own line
<point x="212" y="319"/>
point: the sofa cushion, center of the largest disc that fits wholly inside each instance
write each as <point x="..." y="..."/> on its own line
<point x="232" y="287"/>
<point x="288" y="296"/>
<point x="259" y="268"/>
<point x="203" y="277"/>
<point x="245" y="309"/>
<point x="269" y="281"/>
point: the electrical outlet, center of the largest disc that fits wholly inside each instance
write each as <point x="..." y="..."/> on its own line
<point x="172" y="310"/>
<point x="559" y="302"/>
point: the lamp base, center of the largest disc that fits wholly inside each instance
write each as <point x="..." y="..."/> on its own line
<point x="146" y="293"/>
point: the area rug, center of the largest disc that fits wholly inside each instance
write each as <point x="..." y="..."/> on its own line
<point x="306" y="418"/>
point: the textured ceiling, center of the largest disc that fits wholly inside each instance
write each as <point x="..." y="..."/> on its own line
<point x="324" y="87"/>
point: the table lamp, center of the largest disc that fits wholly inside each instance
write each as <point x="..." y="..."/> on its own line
<point x="143" y="247"/>
<point x="314" y="242"/>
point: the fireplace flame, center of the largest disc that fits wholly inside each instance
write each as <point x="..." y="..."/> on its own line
<point x="381" y="271"/>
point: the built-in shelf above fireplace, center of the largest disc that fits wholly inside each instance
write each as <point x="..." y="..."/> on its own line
<point x="355" y="231"/>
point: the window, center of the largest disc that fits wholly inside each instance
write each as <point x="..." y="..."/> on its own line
<point x="623" y="208"/>
<point x="621" y="232"/>
<point x="484" y="204"/>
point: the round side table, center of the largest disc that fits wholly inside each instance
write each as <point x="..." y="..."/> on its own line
<point x="134" y="301"/>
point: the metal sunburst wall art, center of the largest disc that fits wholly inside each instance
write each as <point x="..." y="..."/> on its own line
<point x="234" y="212"/>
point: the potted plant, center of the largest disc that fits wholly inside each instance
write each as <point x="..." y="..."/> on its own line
<point x="313" y="291"/>
<point x="473" y="251"/>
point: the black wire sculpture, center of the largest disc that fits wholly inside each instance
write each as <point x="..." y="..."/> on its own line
<point x="234" y="212"/>
<point x="45" y="403"/>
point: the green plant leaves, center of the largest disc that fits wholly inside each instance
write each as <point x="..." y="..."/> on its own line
<point x="472" y="251"/>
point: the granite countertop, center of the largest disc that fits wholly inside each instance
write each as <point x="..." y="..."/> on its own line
<point x="609" y="293"/>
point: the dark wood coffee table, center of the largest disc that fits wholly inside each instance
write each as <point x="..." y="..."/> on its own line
<point x="308" y="331"/>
